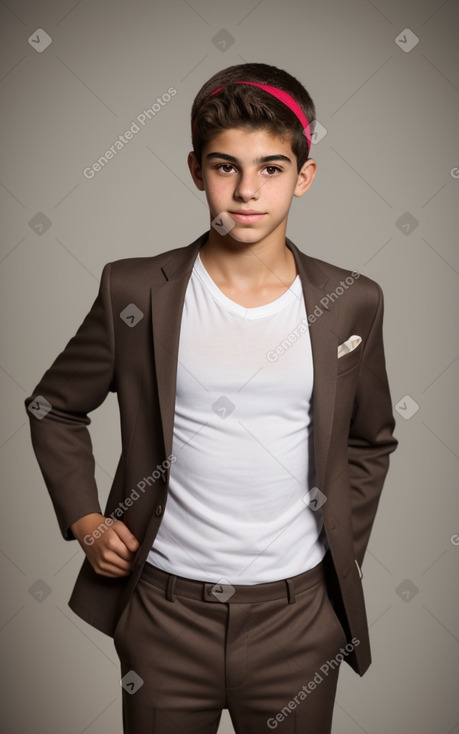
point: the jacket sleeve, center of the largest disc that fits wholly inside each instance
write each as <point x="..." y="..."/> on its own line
<point x="371" y="434"/>
<point x="77" y="382"/>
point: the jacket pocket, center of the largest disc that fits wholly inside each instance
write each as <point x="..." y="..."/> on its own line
<point x="349" y="361"/>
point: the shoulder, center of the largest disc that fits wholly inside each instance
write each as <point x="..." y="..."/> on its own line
<point x="134" y="279"/>
<point x="147" y="266"/>
<point x="334" y="279"/>
<point x="153" y="271"/>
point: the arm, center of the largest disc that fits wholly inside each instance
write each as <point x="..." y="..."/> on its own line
<point x="77" y="383"/>
<point x="371" y="435"/>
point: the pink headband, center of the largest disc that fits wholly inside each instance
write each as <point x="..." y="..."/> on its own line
<point x="287" y="99"/>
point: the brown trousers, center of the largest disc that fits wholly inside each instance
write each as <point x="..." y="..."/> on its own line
<point x="269" y="653"/>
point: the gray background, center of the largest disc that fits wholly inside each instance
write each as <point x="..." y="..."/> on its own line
<point x="384" y="202"/>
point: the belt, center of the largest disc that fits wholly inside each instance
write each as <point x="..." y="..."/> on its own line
<point x="225" y="592"/>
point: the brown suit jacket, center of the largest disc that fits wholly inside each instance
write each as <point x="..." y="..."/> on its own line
<point x="136" y="357"/>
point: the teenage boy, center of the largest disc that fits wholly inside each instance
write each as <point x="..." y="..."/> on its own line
<point x="254" y="402"/>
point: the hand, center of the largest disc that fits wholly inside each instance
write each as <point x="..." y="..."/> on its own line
<point x="109" y="544"/>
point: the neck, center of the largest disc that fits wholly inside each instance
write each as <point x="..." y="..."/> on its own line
<point x="249" y="266"/>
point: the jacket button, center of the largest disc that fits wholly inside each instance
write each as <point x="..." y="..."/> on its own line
<point x="159" y="510"/>
<point x="163" y="477"/>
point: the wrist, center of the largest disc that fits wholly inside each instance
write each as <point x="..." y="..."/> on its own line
<point x="86" y="524"/>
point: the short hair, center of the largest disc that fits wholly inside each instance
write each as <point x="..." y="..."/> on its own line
<point x="245" y="106"/>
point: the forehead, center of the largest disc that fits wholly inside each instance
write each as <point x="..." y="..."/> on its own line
<point x="246" y="144"/>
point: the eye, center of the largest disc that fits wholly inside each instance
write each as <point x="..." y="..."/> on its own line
<point x="272" y="170"/>
<point x="223" y="167"/>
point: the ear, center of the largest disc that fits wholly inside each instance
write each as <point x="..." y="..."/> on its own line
<point x="195" y="170"/>
<point x="305" y="177"/>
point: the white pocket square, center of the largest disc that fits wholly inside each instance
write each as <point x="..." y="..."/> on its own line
<point x="349" y="345"/>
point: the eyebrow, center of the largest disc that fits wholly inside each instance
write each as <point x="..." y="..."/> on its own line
<point x="264" y="159"/>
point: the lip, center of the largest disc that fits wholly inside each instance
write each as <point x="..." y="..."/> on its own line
<point x="247" y="216"/>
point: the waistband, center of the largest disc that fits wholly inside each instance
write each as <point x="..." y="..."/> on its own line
<point x="228" y="593"/>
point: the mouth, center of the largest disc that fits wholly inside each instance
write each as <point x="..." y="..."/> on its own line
<point x="247" y="216"/>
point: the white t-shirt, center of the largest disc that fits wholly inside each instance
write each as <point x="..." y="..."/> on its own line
<point x="237" y="508"/>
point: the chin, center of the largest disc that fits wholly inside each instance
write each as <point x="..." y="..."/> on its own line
<point x="247" y="236"/>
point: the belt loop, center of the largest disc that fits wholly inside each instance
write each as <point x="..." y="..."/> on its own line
<point x="170" y="596"/>
<point x="290" y="591"/>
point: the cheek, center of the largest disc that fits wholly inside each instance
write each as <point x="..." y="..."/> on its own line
<point x="219" y="190"/>
<point x="218" y="184"/>
<point x="280" y="194"/>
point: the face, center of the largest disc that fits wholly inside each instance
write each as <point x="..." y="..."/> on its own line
<point x="250" y="176"/>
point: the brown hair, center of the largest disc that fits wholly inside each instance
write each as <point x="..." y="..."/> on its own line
<point x="242" y="105"/>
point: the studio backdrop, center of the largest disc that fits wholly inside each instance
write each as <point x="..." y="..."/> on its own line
<point x="95" y="132"/>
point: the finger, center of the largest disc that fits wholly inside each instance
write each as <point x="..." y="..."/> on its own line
<point x="114" y="544"/>
<point x="111" y="563"/>
<point x="126" y="536"/>
<point x="116" y="573"/>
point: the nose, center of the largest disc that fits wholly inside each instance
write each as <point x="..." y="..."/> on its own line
<point x="248" y="186"/>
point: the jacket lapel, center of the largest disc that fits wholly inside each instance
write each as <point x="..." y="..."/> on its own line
<point x="167" y="301"/>
<point x="324" y="342"/>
